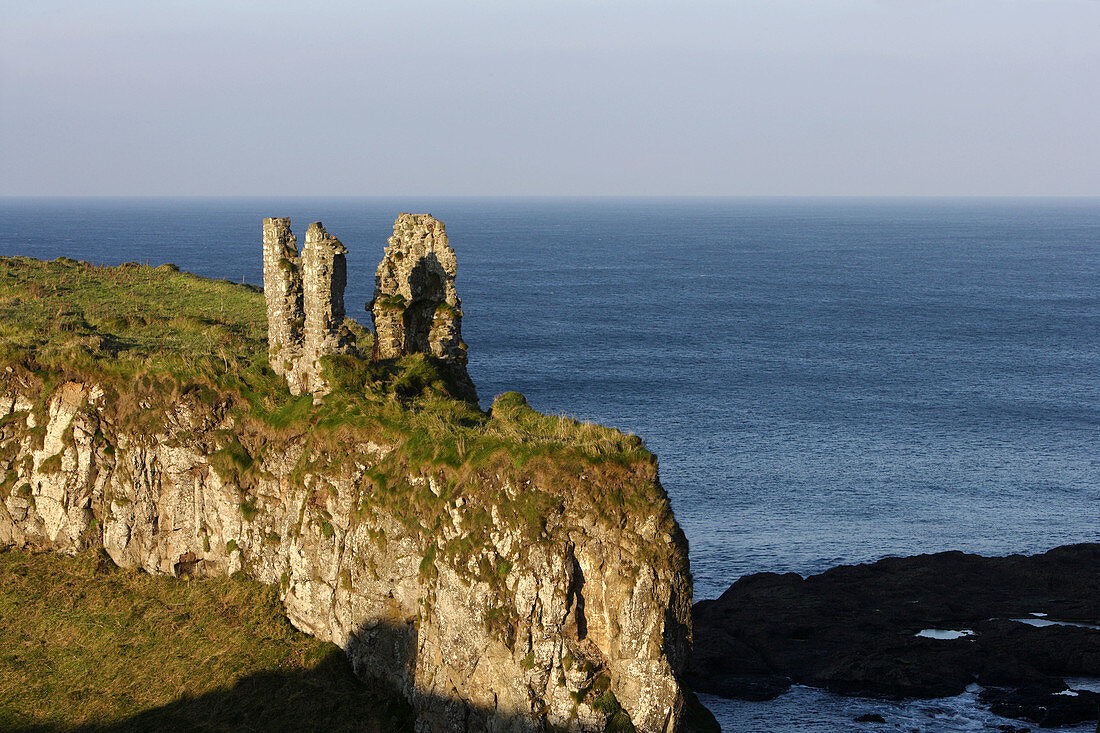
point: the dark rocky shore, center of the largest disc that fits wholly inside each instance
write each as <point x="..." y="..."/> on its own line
<point x="854" y="630"/>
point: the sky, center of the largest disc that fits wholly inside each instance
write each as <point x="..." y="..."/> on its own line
<point x="571" y="98"/>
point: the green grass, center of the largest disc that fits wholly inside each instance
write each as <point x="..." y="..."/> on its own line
<point x="83" y="643"/>
<point x="157" y="318"/>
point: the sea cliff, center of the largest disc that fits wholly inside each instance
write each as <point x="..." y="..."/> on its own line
<point x="504" y="570"/>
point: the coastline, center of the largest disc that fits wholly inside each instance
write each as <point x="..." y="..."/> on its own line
<point x="588" y="294"/>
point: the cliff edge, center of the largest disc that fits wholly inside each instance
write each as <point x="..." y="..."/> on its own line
<point x="505" y="571"/>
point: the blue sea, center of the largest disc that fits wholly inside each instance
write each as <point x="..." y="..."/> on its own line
<point x="825" y="381"/>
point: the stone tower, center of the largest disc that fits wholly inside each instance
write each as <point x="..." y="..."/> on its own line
<point x="283" y="293"/>
<point x="305" y="303"/>
<point x="415" y="307"/>
<point x="324" y="276"/>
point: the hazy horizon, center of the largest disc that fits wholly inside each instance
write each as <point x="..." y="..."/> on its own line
<point x="793" y="98"/>
<point x="553" y="197"/>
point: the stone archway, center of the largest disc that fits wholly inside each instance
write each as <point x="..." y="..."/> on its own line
<point x="428" y="290"/>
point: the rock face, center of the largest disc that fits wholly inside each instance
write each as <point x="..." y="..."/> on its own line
<point x="415" y="307"/>
<point x="558" y="625"/>
<point x="305" y="302"/>
<point x="1032" y="623"/>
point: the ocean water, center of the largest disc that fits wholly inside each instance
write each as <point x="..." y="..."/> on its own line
<point x="825" y="381"/>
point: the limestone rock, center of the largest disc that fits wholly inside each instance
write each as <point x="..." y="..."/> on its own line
<point x="416" y="308"/>
<point x="590" y="603"/>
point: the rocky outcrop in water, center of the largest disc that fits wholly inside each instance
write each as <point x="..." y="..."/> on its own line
<point x="305" y="302"/>
<point x="415" y="307"/>
<point x="1019" y="626"/>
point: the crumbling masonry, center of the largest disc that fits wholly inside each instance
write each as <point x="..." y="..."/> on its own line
<point x="415" y="308"/>
<point x="305" y="303"/>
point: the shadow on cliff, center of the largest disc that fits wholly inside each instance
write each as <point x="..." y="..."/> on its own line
<point x="327" y="697"/>
<point x="330" y="697"/>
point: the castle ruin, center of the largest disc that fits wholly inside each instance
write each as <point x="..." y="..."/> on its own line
<point x="305" y="303"/>
<point x="415" y="308"/>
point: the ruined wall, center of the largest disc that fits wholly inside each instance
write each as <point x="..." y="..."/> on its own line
<point x="305" y="302"/>
<point x="586" y="607"/>
<point x="283" y="293"/>
<point x="324" y="276"/>
<point x="416" y="308"/>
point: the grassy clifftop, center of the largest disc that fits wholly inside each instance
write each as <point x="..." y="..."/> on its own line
<point x="140" y="327"/>
<point x="153" y="336"/>
<point x="125" y="319"/>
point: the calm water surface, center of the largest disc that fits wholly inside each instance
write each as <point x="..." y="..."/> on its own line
<point x="824" y="381"/>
